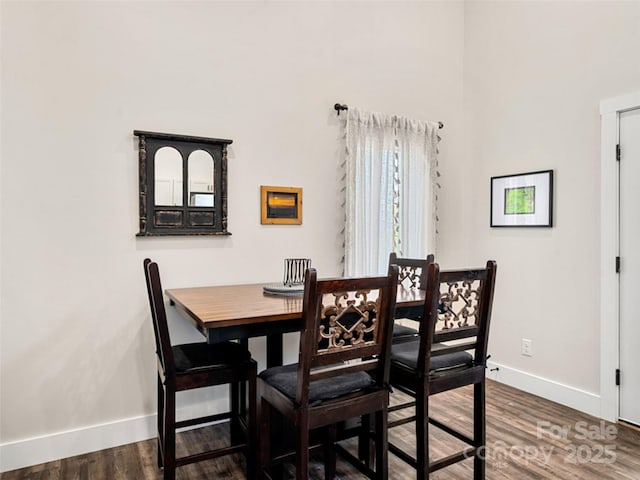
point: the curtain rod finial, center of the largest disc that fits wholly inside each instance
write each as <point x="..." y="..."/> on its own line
<point x="339" y="107"/>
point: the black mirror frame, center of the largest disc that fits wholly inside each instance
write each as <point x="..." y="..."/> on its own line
<point x="181" y="220"/>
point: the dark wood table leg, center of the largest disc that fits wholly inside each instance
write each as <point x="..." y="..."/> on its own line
<point x="274" y="350"/>
<point x="243" y="385"/>
<point x="236" y="402"/>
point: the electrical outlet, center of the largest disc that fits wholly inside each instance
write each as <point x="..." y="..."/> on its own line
<point x="527" y="347"/>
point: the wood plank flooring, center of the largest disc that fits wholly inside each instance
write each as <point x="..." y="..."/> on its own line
<point x="527" y="438"/>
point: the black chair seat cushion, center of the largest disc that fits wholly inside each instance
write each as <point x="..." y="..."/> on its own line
<point x="407" y="354"/>
<point x="403" y="331"/>
<point x="191" y="356"/>
<point x="285" y="378"/>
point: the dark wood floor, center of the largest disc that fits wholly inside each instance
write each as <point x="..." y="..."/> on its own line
<point x="524" y="440"/>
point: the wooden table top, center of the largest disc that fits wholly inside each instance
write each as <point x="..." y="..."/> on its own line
<point x="233" y="305"/>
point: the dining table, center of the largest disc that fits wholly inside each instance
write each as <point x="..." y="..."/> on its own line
<point x="239" y="312"/>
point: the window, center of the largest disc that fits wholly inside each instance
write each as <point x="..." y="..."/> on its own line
<point x="390" y="203"/>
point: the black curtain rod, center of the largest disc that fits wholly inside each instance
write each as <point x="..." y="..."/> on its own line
<point x="340" y="107"/>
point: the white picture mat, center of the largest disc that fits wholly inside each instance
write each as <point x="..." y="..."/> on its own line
<point x="542" y="183"/>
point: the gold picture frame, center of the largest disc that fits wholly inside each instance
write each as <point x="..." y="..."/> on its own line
<point x="280" y="205"/>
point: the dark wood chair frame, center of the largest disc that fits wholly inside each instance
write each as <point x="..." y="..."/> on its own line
<point x="316" y="362"/>
<point x="420" y="383"/>
<point x="412" y="273"/>
<point x="170" y="381"/>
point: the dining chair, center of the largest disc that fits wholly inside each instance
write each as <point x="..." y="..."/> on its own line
<point x="451" y="352"/>
<point x="411" y="275"/>
<point x="342" y="371"/>
<point x="196" y="365"/>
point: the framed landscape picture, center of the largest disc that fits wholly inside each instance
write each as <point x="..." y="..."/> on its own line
<point x="522" y="200"/>
<point x="280" y="205"/>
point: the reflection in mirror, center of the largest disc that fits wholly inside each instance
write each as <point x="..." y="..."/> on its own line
<point x="201" y="175"/>
<point x="168" y="177"/>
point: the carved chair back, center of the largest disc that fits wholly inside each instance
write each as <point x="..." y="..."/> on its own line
<point x="347" y="328"/>
<point x="412" y="272"/>
<point x="458" y="311"/>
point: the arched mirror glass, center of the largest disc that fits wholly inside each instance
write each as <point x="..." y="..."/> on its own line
<point x="168" y="177"/>
<point x="201" y="174"/>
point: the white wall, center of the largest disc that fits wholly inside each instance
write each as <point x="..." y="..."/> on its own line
<point x="535" y="73"/>
<point x="76" y="354"/>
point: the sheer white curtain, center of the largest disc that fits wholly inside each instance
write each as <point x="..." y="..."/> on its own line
<point x="418" y="171"/>
<point x="390" y="176"/>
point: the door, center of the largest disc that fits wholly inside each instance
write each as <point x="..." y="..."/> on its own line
<point x="630" y="266"/>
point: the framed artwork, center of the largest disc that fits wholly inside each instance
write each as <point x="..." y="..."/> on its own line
<point x="280" y="205"/>
<point x="522" y="200"/>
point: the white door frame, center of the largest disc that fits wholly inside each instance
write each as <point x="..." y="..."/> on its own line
<point x="609" y="248"/>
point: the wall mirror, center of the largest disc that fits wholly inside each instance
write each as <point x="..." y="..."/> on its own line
<point x="183" y="184"/>
<point x="201" y="175"/>
<point x="167" y="173"/>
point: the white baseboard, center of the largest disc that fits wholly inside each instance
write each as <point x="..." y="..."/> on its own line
<point x="575" y="398"/>
<point x="33" y="451"/>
